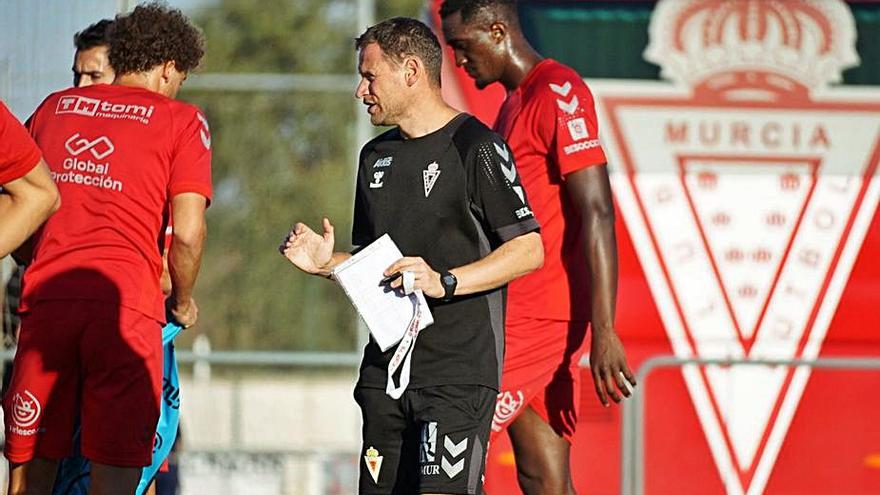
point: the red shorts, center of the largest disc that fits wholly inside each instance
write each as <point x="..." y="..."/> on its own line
<point x="541" y="370"/>
<point x="79" y="358"/>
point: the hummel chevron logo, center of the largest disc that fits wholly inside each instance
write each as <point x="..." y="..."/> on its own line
<point x="451" y="470"/>
<point x="204" y="133"/>
<point x="502" y="152"/>
<point x="456" y="450"/>
<point x="453" y="448"/>
<point x="509" y="172"/>
<point x="561" y="90"/>
<point x="569" y="107"/>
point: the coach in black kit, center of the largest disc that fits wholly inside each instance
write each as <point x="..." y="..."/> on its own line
<point x="445" y="188"/>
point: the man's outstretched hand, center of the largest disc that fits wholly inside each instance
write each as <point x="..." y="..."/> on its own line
<point x="308" y="250"/>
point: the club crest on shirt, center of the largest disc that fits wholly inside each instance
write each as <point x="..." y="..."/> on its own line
<point x="374" y="463"/>
<point x="507" y="405"/>
<point x="430" y="176"/>
<point x="377" y="180"/>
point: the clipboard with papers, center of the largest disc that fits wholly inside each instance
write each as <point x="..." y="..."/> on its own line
<point x="387" y="313"/>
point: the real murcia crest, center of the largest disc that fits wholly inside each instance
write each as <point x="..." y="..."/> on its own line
<point x="746" y="146"/>
<point x="374" y="463"/>
<point x="506" y="406"/>
<point x="430" y="176"/>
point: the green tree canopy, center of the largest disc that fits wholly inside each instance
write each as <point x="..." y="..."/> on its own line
<point x="279" y="157"/>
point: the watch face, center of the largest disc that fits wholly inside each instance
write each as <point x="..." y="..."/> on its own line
<point x="448" y="279"/>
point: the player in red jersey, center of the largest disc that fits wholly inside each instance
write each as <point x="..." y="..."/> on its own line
<point x="550" y="122"/>
<point x="90" y="343"/>
<point x="27" y="194"/>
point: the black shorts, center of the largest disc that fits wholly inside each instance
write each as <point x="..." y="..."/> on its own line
<point x="431" y="440"/>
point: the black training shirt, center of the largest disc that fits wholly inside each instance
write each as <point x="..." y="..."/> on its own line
<point x="451" y="197"/>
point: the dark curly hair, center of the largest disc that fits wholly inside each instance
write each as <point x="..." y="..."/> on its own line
<point x="95" y="35"/>
<point x="399" y="37"/>
<point x="151" y="35"/>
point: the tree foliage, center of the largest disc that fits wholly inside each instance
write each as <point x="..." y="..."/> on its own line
<point x="279" y="157"/>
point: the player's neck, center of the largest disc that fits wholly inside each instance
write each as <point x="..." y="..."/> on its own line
<point x="137" y="80"/>
<point x="425" y="117"/>
<point x="522" y="59"/>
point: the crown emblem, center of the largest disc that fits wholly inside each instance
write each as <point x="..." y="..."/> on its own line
<point x="752" y="49"/>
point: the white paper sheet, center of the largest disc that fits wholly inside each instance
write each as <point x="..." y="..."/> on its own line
<point x="386" y="313"/>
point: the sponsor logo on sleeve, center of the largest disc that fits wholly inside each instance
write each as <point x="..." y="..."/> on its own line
<point x="577" y="128"/>
<point x="523" y="212"/>
<point x="377" y="180"/>
<point x="26" y="411"/>
<point x="383" y="162"/>
<point x="582" y="146"/>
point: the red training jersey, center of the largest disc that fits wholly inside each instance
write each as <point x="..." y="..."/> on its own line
<point x="118" y="155"/>
<point x="18" y="152"/>
<point x="550" y="123"/>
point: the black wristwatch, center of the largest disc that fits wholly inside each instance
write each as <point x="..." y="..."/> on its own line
<point x="449" y="282"/>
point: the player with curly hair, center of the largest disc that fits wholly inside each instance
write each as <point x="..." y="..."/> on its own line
<point x="126" y="158"/>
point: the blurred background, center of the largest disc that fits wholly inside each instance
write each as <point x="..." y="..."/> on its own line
<point x="268" y="372"/>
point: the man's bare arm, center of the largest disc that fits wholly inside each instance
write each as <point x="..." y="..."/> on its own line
<point x="25" y="204"/>
<point x="185" y="254"/>
<point x="511" y="260"/>
<point x="590" y="190"/>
